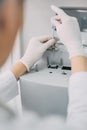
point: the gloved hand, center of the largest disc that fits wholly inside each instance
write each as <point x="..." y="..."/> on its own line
<point x="68" y="31"/>
<point x="36" y="48"/>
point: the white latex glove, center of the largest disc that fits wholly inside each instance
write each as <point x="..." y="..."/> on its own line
<point x="68" y="31"/>
<point x="36" y="48"/>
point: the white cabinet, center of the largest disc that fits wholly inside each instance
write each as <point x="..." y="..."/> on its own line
<point x="45" y="92"/>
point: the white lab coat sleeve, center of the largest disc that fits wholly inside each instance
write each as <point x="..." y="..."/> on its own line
<point x="8" y="86"/>
<point x="77" y="108"/>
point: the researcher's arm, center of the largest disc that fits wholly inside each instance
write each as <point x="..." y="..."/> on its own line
<point x="8" y="86"/>
<point x="69" y="33"/>
<point x="36" y="48"/>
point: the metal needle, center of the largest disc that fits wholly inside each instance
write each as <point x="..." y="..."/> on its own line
<point x="53" y="47"/>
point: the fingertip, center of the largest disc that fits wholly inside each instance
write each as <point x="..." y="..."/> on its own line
<point x="58" y="10"/>
<point x="52" y="7"/>
<point x="53" y="40"/>
<point x="44" y="38"/>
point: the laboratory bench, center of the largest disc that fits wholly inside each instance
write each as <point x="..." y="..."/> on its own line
<point x="45" y="92"/>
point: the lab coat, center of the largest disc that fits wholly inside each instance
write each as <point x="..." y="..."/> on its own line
<point x="77" y="108"/>
<point x="8" y="86"/>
